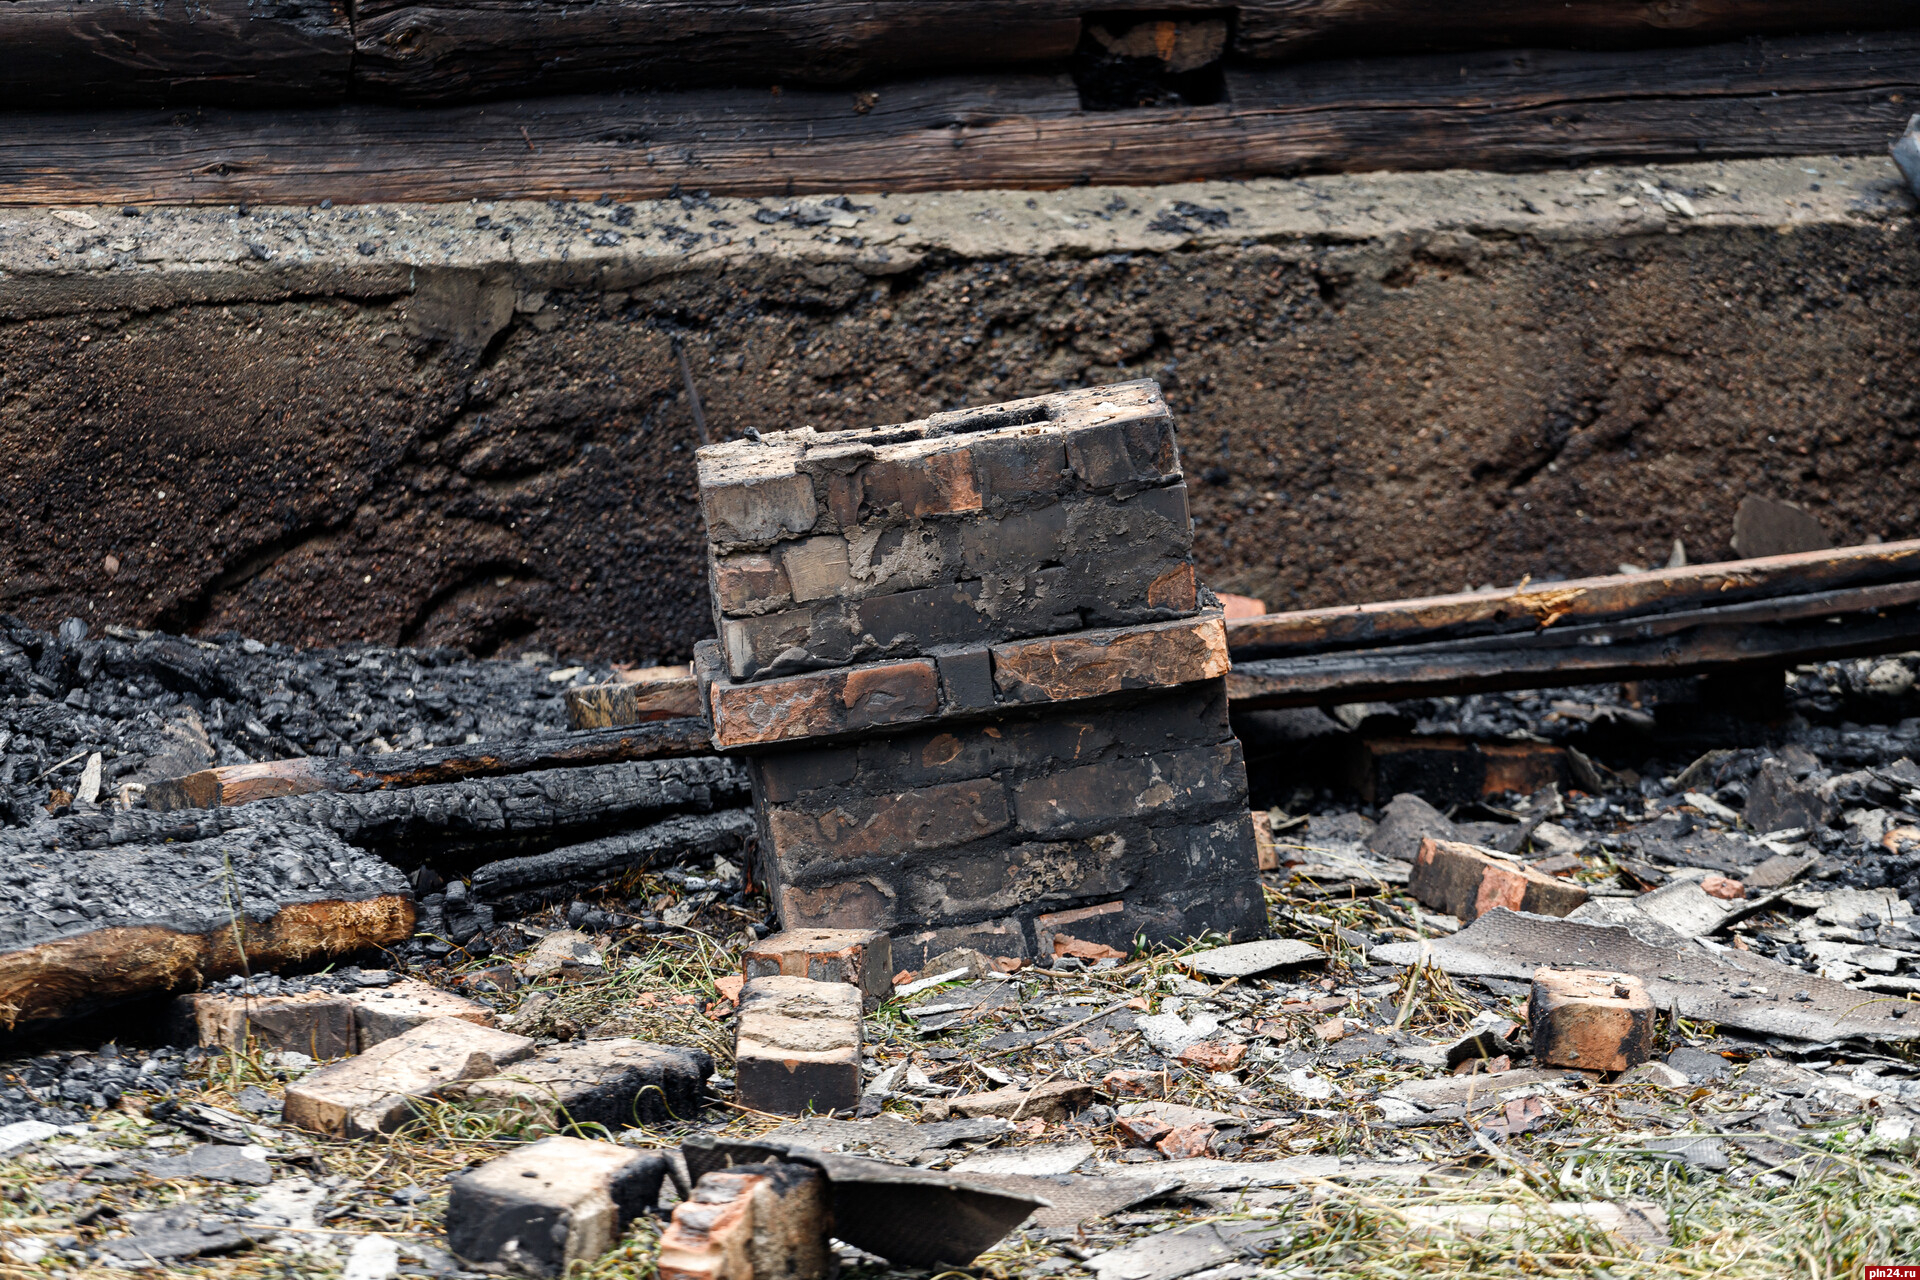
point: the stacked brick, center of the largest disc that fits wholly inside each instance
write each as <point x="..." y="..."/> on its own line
<point x="979" y="687"/>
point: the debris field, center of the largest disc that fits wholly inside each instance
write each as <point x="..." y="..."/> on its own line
<point x="991" y="938"/>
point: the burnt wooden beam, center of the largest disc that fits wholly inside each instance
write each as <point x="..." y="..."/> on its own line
<point x="1537" y="606"/>
<point x="242" y="52"/>
<point x="243" y="783"/>
<point x="86" y="927"/>
<point x="1820" y="94"/>
<point x="1781" y="631"/>
<point x="310" y="51"/>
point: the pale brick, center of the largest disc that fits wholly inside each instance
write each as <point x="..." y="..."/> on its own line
<point x="816" y="568"/>
<point x="318" y="1024"/>
<point x="797" y="1046"/>
<point x="1590" y="1019"/>
<point x="551" y="1204"/>
<point x="751" y="1222"/>
<point x="381" y="1014"/>
<point x="861" y="957"/>
<point x="373" y="1093"/>
<point x="616" y="1083"/>
<point x="761" y="509"/>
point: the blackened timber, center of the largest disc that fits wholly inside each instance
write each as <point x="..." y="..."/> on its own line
<point x="522" y="884"/>
<point x="498" y="815"/>
<point x="240" y="52"/>
<point x="1851" y="622"/>
<point x="244" y="783"/>
<point x="1537" y="606"/>
<point x="1821" y="94"/>
<point x="87" y="927"/>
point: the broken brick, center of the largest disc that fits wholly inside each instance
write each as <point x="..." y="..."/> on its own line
<point x="861" y="957"/>
<point x="1189" y="1142"/>
<point x="1141" y="1131"/>
<point x="1590" y="1019"/>
<point x="544" y="1207"/>
<point x="1467" y="882"/>
<point x="374" y="1092"/>
<point x="1723" y="888"/>
<point x="797" y="1046"/>
<point x="1053" y="1101"/>
<point x="1213" y="1055"/>
<point x="751" y="1222"/>
<point x="316" y="1023"/>
<point x="617" y="1083"/>
<point x="1134" y="1084"/>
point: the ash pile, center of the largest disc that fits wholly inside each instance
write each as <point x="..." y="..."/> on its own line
<point x="966" y="925"/>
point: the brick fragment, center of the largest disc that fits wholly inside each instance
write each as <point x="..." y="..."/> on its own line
<point x="1590" y="1019"/>
<point x="1266" y="853"/>
<point x="318" y="1024"/>
<point x="380" y="1014"/>
<point x="567" y="955"/>
<point x="1189" y="1142"/>
<point x="1134" y="1084"/>
<point x="860" y="957"/>
<point x="797" y="1046"/>
<point x="1214" y="1055"/>
<point x="1140" y="1131"/>
<point x="751" y="1222"/>
<point x="1723" y="888"/>
<point x="760" y="508"/>
<point x="1090" y="664"/>
<point x="616" y="1083"/>
<point x="373" y="1093"/>
<point x="548" y="1205"/>
<point x="1466" y="882"/>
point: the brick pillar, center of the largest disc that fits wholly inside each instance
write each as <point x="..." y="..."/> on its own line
<point x="980" y="689"/>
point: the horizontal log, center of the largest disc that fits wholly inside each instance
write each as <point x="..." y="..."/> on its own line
<point x="524" y="884"/>
<point x="244" y="783"/>
<point x="493" y="816"/>
<point x="243" y="52"/>
<point x="1530" y="606"/>
<point x="84" y="928"/>
<point x="307" y="51"/>
<point x="1820" y="94"/>
<point x="1852" y="622"/>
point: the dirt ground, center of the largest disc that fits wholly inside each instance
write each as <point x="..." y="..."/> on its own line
<point x="1372" y="402"/>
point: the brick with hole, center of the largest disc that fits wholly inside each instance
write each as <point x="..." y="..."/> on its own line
<point x="797" y="1046"/>
<point x="549" y="1205"/>
<point x="1467" y="882"/>
<point x="380" y="1014"/>
<point x="1590" y="1019"/>
<point x="751" y="1222"/>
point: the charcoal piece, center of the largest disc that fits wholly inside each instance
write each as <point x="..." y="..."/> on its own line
<point x="87" y="927"/>
<point x="522" y="884"/>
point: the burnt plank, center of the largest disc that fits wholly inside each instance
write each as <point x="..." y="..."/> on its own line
<point x="239" y="52"/>
<point x="1820" y="94"/>
<point x="241" y="784"/>
<point x="1533" y="606"/>
<point x="1851" y="622"/>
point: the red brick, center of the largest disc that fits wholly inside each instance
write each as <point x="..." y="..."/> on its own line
<point x="751" y="1222"/>
<point x="1590" y="1019"/>
<point x="816" y="568"/>
<point x="1177" y="589"/>
<point x="1088" y="664"/>
<point x="861" y="957"/>
<point x="758" y="508"/>
<point x="1723" y="888"/>
<point x="1466" y="882"/>
<point x="937" y="484"/>
<point x="823" y="703"/>
<point x="1093" y="920"/>
<point x="317" y="1024"/>
<point x="1135" y="1084"/>
<point x="1213" y="1055"/>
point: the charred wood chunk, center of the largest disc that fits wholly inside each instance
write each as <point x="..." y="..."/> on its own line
<point x="521" y="884"/>
<point x="90" y="926"/>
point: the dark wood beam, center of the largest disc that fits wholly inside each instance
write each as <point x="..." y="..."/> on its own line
<point x="1509" y="110"/>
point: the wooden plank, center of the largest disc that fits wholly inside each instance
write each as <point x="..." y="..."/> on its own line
<point x="1851" y="622"/>
<point x="59" y="52"/>
<point x="245" y="783"/>
<point x="1537" y="606"/>
<point x="1811" y="95"/>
